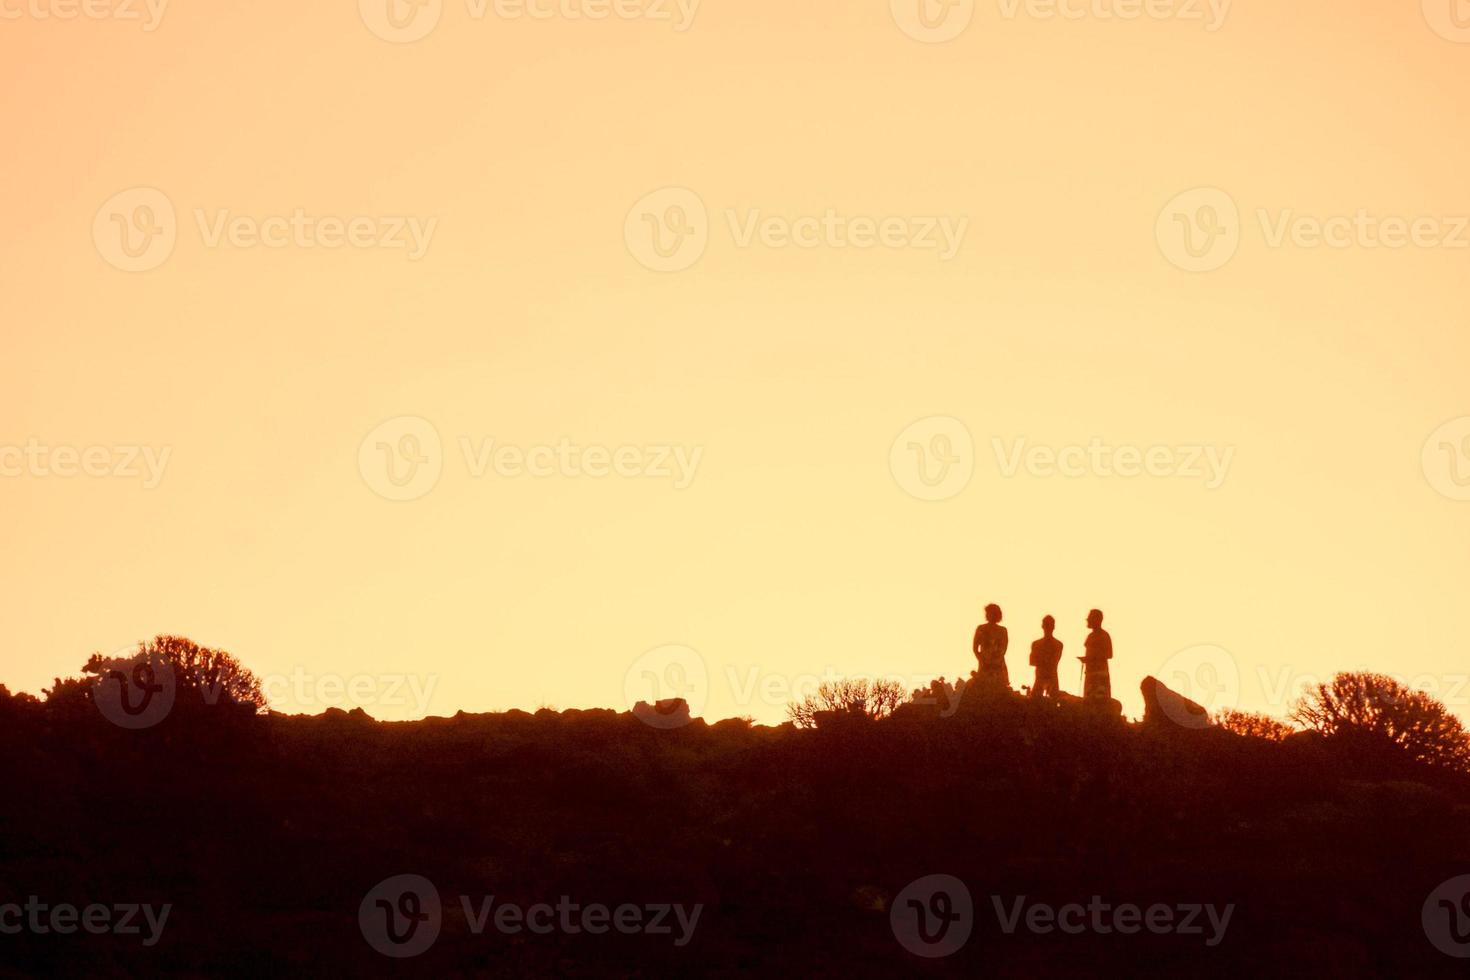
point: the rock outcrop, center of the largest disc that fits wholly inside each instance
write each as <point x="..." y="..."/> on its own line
<point x="1163" y="706"/>
<point x="668" y="713"/>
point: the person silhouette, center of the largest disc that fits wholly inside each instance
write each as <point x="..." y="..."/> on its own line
<point x="1046" y="654"/>
<point x="1097" y="682"/>
<point x="991" y="642"/>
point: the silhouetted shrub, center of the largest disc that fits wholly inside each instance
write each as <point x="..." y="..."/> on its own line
<point x="860" y="698"/>
<point x="201" y="675"/>
<point x="1253" y="724"/>
<point x="1374" y="708"/>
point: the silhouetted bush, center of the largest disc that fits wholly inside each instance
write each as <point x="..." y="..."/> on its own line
<point x="860" y="698"/>
<point x="1373" y="710"/>
<point x="201" y="675"/>
<point x="1253" y="724"/>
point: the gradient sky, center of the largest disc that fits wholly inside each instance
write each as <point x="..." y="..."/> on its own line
<point x="801" y="546"/>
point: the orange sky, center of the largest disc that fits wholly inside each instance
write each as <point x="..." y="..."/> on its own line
<point x="663" y="302"/>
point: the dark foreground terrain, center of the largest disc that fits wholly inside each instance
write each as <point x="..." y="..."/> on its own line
<point x="270" y="838"/>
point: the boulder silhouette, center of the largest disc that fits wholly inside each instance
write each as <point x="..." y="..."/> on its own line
<point x="1166" y="707"/>
<point x="668" y="713"/>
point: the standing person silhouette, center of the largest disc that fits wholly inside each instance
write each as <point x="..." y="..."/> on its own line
<point x="1046" y="654"/>
<point x="991" y="642"/>
<point x="1096" y="681"/>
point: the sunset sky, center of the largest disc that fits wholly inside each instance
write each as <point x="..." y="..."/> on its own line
<point x="821" y="296"/>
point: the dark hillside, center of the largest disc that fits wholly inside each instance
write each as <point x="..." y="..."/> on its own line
<point x="265" y="834"/>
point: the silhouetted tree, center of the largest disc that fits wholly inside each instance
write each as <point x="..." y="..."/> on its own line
<point x="69" y="698"/>
<point x="1253" y="724"/>
<point x="1376" y="708"/>
<point x="201" y="674"/>
<point x="861" y="698"/>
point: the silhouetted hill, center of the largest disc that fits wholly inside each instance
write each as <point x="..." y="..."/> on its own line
<point x="266" y="834"/>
